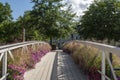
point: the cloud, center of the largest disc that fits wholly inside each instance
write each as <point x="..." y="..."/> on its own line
<point x="79" y="6"/>
<point x="83" y="6"/>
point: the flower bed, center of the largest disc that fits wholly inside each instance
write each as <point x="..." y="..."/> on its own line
<point x="25" y="61"/>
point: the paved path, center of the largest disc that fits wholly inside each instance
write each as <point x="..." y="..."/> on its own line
<point x="55" y="66"/>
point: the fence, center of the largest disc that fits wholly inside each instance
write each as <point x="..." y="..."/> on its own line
<point x="105" y="49"/>
<point x="5" y="50"/>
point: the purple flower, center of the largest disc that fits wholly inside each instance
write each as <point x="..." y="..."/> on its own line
<point x="17" y="71"/>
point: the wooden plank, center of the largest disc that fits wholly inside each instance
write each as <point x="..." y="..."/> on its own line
<point x="54" y="70"/>
<point x="48" y="68"/>
<point x="51" y="67"/>
<point x="67" y="69"/>
<point x="43" y="69"/>
<point x="36" y="73"/>
<point x="64" y="67"/>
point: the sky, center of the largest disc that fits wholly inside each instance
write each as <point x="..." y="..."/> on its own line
<point x="20" y="6"/>
<point x="79" y="5"/>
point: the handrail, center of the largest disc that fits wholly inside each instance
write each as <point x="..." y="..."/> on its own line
<point x="15" y="44"/>
<point x="108" y="48"/>
<point x="9" y="45"/>
<point x="5" y="50"/>
<point x="105" y="49"/>
<point x="18" y="46"/>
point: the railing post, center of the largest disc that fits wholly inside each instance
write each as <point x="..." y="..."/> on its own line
<point x="110" y="56"/>
<point x="4" y="65"/>
<point x="111" y="67"/>
<point x="103" y="66"/>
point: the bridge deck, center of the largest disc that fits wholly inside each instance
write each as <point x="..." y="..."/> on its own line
<point x="55" y="66"/>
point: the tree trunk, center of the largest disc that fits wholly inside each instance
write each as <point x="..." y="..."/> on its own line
<point x="50" y="40"/>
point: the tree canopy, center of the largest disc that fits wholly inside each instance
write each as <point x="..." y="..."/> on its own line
<point x="48" y="19"/>
<point x="101" y="21"/>
<point x="5" y="22"/>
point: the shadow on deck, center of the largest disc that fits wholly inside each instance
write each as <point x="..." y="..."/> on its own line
<point x="65" y="69"/>
<point x="55" y="66"/>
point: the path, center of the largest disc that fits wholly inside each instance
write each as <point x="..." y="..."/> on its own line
<point x="43" y="69"/>
<point x="64" y="68"/>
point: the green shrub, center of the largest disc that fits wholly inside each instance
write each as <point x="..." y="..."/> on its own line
<point x="87" y="58"/>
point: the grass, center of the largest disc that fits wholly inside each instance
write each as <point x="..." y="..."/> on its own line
<point x="25" y="60"/>
<point x="89" y="59"/>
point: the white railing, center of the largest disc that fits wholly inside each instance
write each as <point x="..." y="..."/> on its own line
<point x="5" y="50"/>
<point x="105" y="49"/>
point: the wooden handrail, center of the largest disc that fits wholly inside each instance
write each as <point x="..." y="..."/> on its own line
<point x="4" y="50"/>
<point x="105" y="49"/>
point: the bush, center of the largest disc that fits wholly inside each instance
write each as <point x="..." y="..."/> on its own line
<point x="86" y="57"/>
<point x="89" y="59"/>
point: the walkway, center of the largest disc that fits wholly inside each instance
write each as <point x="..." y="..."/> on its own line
<point x="55" y="66"/>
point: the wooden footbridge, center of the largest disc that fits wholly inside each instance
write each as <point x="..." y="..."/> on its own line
<point x="57" y="65"/>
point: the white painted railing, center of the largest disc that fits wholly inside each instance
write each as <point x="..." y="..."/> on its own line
<point x="105" y="49"/>
<point x="5" y="50"/>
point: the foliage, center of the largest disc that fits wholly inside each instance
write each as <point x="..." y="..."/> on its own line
<point x="25" y="23"/>
<point x="101" y="21"/>
<point x="5" y="22"/>
<point x="50" y="19"/>
<point x="46" y="20"/>
<point x="88" y="58"/>
<point x="5" y="12"/>
<point x="8" y="32"/>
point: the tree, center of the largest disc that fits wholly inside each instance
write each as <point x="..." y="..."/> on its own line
<point x="100" y="21"/>
<point x="5" y="12"/>
<point x="66" y="22"/>
<point x="27" y="23"/>
<point x="50" y="19"/>
<point x="5" y="22"/>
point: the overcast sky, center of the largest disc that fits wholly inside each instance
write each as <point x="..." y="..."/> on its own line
<point x="79" y="5"/>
